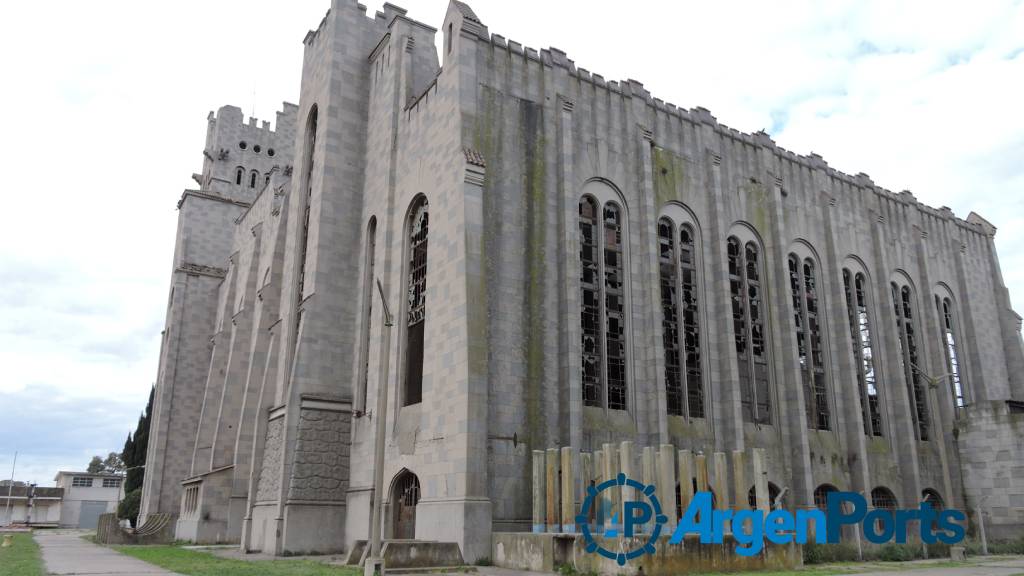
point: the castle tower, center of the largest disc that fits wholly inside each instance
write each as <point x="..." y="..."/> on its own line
<point x="238" y="161"/>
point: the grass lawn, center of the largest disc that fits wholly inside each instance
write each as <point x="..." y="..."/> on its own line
<point x="21" y="559"/>
<point x="196" y="563"/>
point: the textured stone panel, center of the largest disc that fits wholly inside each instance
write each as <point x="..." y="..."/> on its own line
<point x="270" y="479"/>
<point x="320" y="471"/>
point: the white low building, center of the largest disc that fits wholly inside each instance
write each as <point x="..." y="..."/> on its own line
<point x="33" y="506"/>
<point x="86" y="496"/>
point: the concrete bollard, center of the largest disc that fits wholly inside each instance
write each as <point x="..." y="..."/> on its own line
<point x="610" y="497"/>
<point x="539" y="493"/>
<point x="739" y="480"/>
<point x="760" y="480"/>
<point x="687" y="474"/>
<point x="647" y="463"/>
<point x="667" y="484"/>
<point x="551" y="509"/>
<point x="598" y="462"/>
<point x="700" y="472"/>
<point x="586" y="480"/>
<point x="626" y="467"/>
<point x="568" y="490"/>
<point x="721" y="480"/>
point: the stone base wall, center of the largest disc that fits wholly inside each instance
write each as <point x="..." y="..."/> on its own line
<point x="992" y="457"/>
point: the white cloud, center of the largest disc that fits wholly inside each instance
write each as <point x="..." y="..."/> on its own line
<point x="104" y="119"/>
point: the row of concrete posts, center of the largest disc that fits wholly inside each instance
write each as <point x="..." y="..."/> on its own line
<point x="563" y="476"/>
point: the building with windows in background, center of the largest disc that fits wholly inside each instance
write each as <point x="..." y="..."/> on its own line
<point x="571" y="261"/>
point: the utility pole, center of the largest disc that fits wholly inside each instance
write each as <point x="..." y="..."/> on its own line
<point x="10" y="487"/>
<point x="374" y="563"/>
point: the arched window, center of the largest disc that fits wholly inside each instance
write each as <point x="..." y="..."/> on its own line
<point x="680" y="329"/>
<point x="773" y="496"/>
<point x="239" y="173"/>
<point x="947" y="322"/>
<point x="252" y="179"/>
<point x="883" y="498"/>
<point x="821" y="495"/>
<point x="266" y="180"/>
<point x="932" y="497"/>
<point x="855" y="286"/>
<point x="803" y="289"/>
<point x="907" y="331"/>
<point x="368" y="288"/>
<point x="417" y="300"/>
<point x="307" y="182"/>
<point x="602" y="302"/>
<point x="748" y="325"/>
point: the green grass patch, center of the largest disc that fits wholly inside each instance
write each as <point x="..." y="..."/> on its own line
<point x="21" y="559"/>
<point x="197" y="563"/>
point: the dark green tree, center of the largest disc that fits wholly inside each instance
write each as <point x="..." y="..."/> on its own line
<point x="95" y="465"/>
<point x="129" y="507"/>
<point x="135" y="449"/>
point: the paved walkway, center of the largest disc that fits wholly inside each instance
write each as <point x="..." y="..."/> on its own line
<point x="69" y="553"/>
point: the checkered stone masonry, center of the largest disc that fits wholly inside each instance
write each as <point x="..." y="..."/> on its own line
<point x="320" y="471"/>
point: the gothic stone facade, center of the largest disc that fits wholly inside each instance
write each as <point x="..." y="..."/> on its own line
<point x="570" y="261"/>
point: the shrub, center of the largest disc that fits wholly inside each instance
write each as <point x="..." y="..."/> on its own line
<point x="827" y="553"/>
<point x="128" y="509"/>
<point x="483" y="561"/>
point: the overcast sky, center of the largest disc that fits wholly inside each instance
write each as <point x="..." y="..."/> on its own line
<point x="105" y="102"/>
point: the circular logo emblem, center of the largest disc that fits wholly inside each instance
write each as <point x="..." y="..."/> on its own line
<point x="634" y="513"/>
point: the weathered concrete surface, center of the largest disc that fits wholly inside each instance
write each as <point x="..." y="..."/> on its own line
<point x="68" y="553"/>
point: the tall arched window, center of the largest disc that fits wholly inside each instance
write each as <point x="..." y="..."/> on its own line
<point x="907" y="331"/>
<point x="368" y="288"/>
<point x="252" y="179"/>
<point x="947" y="322"/>
<point x="680" y="329"/>
<point x="748" y="325"/>
<point x="417" y="295"/>
<point x="239" y="173"/>
<point x="803" y="289"/>
<point x="602" y="303"/>
<point x="821" y="495"/>
<point x="863" y="351"/>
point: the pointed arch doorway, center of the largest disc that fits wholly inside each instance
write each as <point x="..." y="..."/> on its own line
<point x="405" y="495"/>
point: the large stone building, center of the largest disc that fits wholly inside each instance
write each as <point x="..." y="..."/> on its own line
<point x="571" y="261"/>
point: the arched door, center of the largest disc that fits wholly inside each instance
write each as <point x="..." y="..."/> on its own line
<point x="405" y="495"/>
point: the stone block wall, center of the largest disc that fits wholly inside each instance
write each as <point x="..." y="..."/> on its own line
<point x="992" y="455"/>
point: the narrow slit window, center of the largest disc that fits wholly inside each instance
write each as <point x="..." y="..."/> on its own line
<point x="615" y="321"/>
<point x="417" y="291"/>
<point x="803" y="287"/>
<point x="949" y="347"/>
<point x="590" y="304"/>
<point x="748" y="325"/>
<point x="670" y="316"/>
<point x="910" y="362"/>
<point x="691" y="326"/>
<point x="863" y="351"/>
<point x="602" y="305"/>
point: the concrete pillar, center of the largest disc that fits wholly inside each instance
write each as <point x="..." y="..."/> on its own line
<point x="721" y="480"/>
<point x="551" y="509"/>
<point x="760" y="480"/>
<point x="568" y="490"/>
<point x="739" y="480"/>
<point x="539" y="493"/>
<point x="626" y="467"/>
<point x="687" y="471"/>
<point x="610" y="497"/>
<point x="667" y="483"/>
